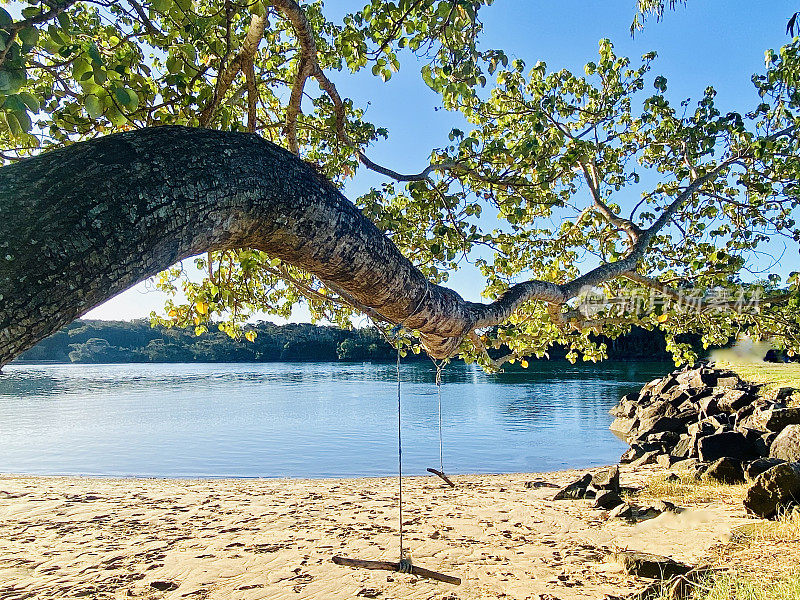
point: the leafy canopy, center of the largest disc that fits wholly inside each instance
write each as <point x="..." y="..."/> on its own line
<point x="553" y="173"/>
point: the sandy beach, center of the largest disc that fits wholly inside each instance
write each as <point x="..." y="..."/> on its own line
<point x="251" y="539"/>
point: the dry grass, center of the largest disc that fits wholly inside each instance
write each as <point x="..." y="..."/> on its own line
<point x="732" y="585"/>
<point x="785" y="529"/>
<point x="760" y="563"/>
<point x="688" y="491"/>
<point x="771" y="375"/>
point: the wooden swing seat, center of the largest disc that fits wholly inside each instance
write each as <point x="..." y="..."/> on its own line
<point x="385" y="565"/>
<point x="441" y="475"/>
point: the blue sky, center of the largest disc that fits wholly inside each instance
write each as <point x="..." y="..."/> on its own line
<point x="704" y="43"/>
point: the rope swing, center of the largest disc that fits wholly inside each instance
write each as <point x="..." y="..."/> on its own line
<point x="440" y="472"/>
<point x="403" y="565"/>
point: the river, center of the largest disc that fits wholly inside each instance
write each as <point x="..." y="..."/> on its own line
<point x="307" y="419"/>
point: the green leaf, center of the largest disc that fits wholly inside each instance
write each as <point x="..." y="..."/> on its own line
<point x="94" y="54"/>
<point x="427" y="78"/>
<point x="24" y="120"/>
<point x="13" y="124"/>
<point x="126" y="97"/>
<point x="13" y="103"/>
<point x="29" y="101"/>
<point x="13" y="80"/>
<point x="63" y="20"/>
<point x="94" y="108"/>
<point x="5" y="17"/>
<point x="29" y="36"/>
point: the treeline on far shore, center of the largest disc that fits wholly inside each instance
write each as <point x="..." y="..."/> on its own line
<point x="85" y="341"/>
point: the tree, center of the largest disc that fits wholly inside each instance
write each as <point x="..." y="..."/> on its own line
<point x="645" y="8"/>
<point x="181" y="109"/>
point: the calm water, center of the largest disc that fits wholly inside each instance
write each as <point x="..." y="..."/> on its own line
<point x="307" y="419"/>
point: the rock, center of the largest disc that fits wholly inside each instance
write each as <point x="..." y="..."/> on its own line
<point x="659" y="408"/>
<point x="725" y="470"/>
<point x="623" y="426"/>
<point x="606" y="479"/>
<point x="784" y="393"/>
<point x="667" y="438"/>
<point x="630" y="455"/>
<point x="733" y="400"/>
<point x="623" y="511"/>
<point x="703" y="379"/>
<point x="685" y="465"/>
<point x="663" y="385"/>
<point x="787" y="444"/>
<point x="684" y="447"/>
<point x="672" y="478"/>
<point x="757" y="467"/>
<point x="659" y="424"/>
<point x="647" y="458"/>
<point x="774" y="490"/>
<point x="164" y="586"/>
<point x="626" y="407"/>
<point x="728" y="443"/>
<point x="575" y="490"/>
<point x="666" y="460"/>
<point x="708" y="406"/>
<point x="663" y="506"/>
<point x="607" y="500"/>
<point x="775" y="419"/>
<point x="700" y="468"/>
<point x="728" y="381"/>
<point x="651" y="566"/>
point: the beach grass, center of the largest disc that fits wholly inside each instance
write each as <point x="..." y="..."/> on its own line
<point x="688" y="490"/>
<point x="732" y="585"/>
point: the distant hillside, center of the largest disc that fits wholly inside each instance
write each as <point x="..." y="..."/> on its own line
<point x="137" y="341"/>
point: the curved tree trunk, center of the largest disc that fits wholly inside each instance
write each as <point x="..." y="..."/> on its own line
<point x="81" y="224"/>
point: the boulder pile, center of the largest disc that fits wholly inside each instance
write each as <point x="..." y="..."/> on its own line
<point x="713" y="420"/>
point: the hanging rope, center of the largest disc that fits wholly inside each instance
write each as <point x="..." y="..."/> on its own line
<point x="400" y="463"/>
<point x="440" y="472"/>
<point x="439" y="394"/>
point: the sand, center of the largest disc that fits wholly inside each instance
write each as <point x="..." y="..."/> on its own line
<point x="66" y="537"/>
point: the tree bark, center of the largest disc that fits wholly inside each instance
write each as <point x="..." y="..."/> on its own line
<point x="83" y="223"/>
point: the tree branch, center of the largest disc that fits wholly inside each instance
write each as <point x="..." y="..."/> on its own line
<point x="308" y="66"/>
<point x="120" y="208"/>
<point x="229" y="72"/>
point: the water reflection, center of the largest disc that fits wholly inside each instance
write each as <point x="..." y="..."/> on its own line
<point x="306" y="419"/>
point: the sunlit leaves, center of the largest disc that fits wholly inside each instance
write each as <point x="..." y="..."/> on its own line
<point x="543" y="164"/>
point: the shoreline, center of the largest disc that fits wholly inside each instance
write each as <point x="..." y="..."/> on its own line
<point x="354" y="478"/>
<point x="274" y="538"/>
